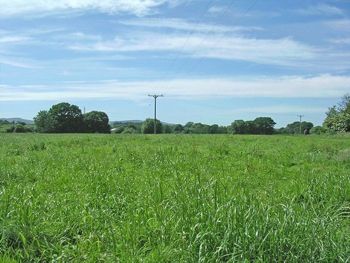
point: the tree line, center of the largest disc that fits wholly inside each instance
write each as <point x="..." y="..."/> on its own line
<point x="67" y="118"/>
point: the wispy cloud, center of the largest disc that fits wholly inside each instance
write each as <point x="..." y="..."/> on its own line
<point x="339" y="24"/>
<point x="280" y="109"/>
<point x="321" y="9"/>
<point x="322" y="86"/>
<point x="13" y="39"/>
<point x="184" y="25"/>
<point x="137" y="7"/>
<point x="215" y="9"/>
<point x="283" y="51"/>
<point x="18" y="63"/>
<point x="341" y="41"/>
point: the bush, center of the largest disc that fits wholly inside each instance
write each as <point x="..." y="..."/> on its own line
<point x="318" y="130"/>
<point x="148" y="126"/>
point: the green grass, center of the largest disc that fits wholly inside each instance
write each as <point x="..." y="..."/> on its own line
<point x="111" y="198"/>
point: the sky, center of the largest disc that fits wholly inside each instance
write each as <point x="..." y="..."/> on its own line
<point x="215" y="61"/>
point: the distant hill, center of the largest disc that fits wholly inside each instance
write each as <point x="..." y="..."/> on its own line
<point x="17" y="120"/>
<point x="126" y="122"/>
<point x="133" y="122"/>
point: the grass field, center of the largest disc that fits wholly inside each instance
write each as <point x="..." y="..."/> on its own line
<point x="110" y="198"/>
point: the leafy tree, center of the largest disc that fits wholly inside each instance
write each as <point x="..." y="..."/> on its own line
<point x="238" y="127"/>
<point x="178" y="128"/>
<point x="261" y="125"/>
<point x="96" y="121"/>
<point x="148" y="126"/>
<point x="43" y="122"/>
<point x="66" y="118"/>
<point x="264" y="125"/>
<point x="250" y="127"/>
<point x="213" y="129"/>
<point x="338" y="118"/>
<point x="199" y="128"/>
<point x="294" y="128"/>
<point x="318" y="130"/>
<point x="167" y="129"/>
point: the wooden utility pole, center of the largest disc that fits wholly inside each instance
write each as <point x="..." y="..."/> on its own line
<point x="300" y="118"/>
<point x="155" y="96"/>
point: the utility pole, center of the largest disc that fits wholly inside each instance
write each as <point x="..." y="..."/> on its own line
<point x="155" y="96"/>
<point x="300" y="118"/>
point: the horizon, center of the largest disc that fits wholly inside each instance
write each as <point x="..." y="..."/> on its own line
<point x="215" y="61"/>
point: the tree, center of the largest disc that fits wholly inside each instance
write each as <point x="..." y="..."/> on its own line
<point x="178" y="128"/>
<point x="264" y="125"/>
<point x="43" y="122"/>
<point x="66" y="118"/>
<point x="294" y="128"/>
<point x="213" y="129"/>
<point x="338" y="118"/>
<point x="96" y="121"/>
<point x="167" y="129"/>
<point x="238" y="127"/>
<point x="318" y="130"/>
<point x="250" y="127"/>
<point x="148" y="126"/>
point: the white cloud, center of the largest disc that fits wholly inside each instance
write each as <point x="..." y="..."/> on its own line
<point x="217" y="9"/>
<point x="280" y="109"/>
<point x="341" y="41"/>
<point x="180" y="24"/>
<point x="138" y="7"/>
<point x="322" y="86"/>
<point x="339" y="24"/>
<point x="12" y="39"/>
<point x="321" y="9"/>
<point x="17" y="63"/>
<point x="283" y="51"/>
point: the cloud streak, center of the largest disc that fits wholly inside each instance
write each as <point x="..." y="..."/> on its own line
<point x="284" y="51"/>
<point x="322" y="86"/>
<point x="184" y="25"/>
<point x="23" y="7"/>
<point x="321" y="10"/>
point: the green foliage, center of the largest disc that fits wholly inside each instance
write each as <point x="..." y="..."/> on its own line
<point x="101" y="198"/>
<point x="96" y="121"/>
<point x="19" y="128"/>
<point x="167" y="129"/>
<point x="261" y="125"/>
<point x="178" y="128"/>
<point x="67" y="118"/>
<point x="294" y="128"/>
<point x="43" y="122"/>
<point x="200" y="128"/>
<point x="4" y="122"/>
<point x="338" y="118"/>
<point x="264" y="125"/>
<point x="318" y="130"/>
<point x="148" y="126"/>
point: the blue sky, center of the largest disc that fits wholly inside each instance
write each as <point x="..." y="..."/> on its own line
<point x="214" y="60"/>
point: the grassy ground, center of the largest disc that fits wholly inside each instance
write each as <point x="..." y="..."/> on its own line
<point x="109" y="198"/>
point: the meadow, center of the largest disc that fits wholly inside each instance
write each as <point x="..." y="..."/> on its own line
<point x="174" y="198"/>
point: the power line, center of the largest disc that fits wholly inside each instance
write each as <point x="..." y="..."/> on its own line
<point x="155" y="96"/>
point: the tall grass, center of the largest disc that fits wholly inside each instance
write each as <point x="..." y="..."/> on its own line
<point x="105" y="198"/>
